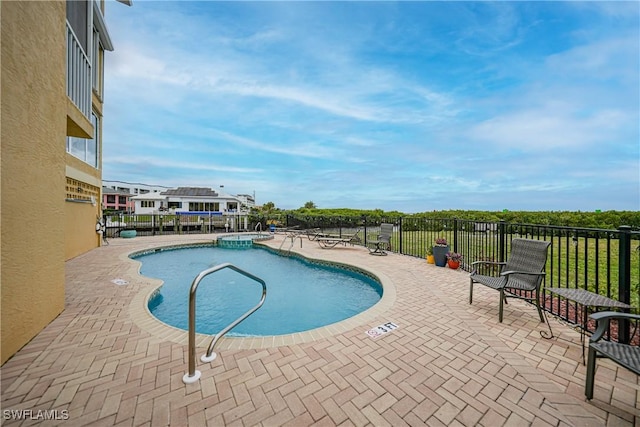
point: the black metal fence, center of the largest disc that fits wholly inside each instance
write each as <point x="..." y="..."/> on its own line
<point x="159" y="224"/>
<point x="603" y="261"/>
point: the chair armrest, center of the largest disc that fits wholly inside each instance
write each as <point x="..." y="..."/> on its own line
<point x="506" y="273"/>
<point x="602" y="319"/>
<point x="474" y="270"/>
<point x="488" y="262"/>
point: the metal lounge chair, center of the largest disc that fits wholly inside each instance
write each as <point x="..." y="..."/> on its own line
<point x="328" y="242"/>
<point x="377" y="247"/>
<point x="523" y="271"/>
<point x="313" y="233"/>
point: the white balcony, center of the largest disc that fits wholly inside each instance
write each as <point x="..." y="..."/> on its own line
<point x="78" y="74"/>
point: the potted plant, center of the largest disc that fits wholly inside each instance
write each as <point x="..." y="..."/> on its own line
<point x="440" y="252"/>
<point x="454" y="259"/>
<point x="430" y="259"/>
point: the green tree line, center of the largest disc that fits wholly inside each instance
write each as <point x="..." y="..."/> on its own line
<point x="602" y="220"/>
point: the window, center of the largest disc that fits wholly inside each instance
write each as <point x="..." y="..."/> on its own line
<point x="122" y="200"/>
<point x="204" y="207"/>
<point x="87" y="150"/>
<point x="111" y="198"/>
<point x="148" y="203"/>
<point x="175" y="205"/>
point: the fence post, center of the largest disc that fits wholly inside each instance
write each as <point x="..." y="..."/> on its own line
<point x="502" y="243"/>
<point x="400" y="249"/>
<point x="364" y="226"/>
<point x="455" y="234"/>
<point x="624" y="278"/>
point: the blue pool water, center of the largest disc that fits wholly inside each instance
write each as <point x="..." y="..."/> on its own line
<point x="300" y="295"/>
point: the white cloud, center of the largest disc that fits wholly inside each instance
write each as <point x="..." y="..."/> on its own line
<point x="165" y="163"/>
<point x="309" y="101"/>
<point x="549" y="129"/>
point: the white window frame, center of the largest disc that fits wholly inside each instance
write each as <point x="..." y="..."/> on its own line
<point x="97" y="60"/>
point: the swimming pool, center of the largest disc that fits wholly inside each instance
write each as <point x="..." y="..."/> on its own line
<point x="301" y="295"/>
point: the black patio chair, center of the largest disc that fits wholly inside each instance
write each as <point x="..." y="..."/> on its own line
<point x="523" y="271"/>
<point x="625" y="355"/>
<point x="377" y="247"/>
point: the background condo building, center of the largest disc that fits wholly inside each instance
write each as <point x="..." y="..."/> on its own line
<point x="126" y="197"/>
<point x="133" y="188"/>
<point x="116" y="195"/>
<point x="116" y="200"/>
<point x="190" y="200"/>
<point x="52" y="97"/>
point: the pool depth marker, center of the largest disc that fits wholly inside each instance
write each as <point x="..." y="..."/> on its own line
<point x="381" y="330"/>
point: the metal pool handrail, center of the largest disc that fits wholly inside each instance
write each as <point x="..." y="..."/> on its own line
<point x="194" y="375"/>
<point x="293" y="236"/>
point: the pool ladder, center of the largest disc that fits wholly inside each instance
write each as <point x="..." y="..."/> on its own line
<point x="194" y="375"/>
<point x="293" y="237"/>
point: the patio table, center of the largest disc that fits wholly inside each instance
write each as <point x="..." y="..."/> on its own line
<point x="587" y="299"/>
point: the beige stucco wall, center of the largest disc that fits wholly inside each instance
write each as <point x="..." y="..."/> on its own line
<point x="80" y="218"/>
<point x="32" y="169"/>
<point x="80" y="229"/>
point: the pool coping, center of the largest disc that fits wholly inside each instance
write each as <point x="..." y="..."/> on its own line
<point x="141" y="315"/>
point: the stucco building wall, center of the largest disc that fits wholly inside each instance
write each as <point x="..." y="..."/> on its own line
<point x="80" y="231"/>
<point x="32" y="212"/>
<point x="84" y="182"/>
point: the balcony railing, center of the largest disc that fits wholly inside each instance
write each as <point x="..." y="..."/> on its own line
<point x="78" y="74"/>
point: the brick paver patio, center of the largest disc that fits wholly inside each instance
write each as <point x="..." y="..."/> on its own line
<point x="104" y="361"/>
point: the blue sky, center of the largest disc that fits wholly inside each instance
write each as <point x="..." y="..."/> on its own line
<point x="408" y="106"/>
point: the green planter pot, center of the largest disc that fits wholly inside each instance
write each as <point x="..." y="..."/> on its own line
<point x="440" y="255"/>
<point x="128" y="234"/>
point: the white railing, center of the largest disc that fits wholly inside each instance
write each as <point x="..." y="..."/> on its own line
<point x="78" y="74"/>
